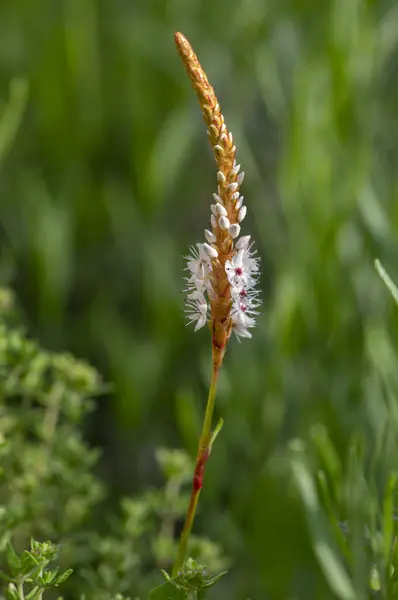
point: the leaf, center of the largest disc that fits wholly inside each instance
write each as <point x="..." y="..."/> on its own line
<point x="12" y="592"/>
<point x="339" y="535"/>
<point x="214" y="580"/>
<point x="63" y="577"/>
<point x="388" y="516"/>
<point x="13" y="560"/>
<point x="327" y="452"/>
<point x="215" y="433"/>
<point x="28" y="563"/>
<point x="387" y="280"/>
<point x="322" y="541"/>
<point x="12" y="114"/>
<point x="167" y="591"/>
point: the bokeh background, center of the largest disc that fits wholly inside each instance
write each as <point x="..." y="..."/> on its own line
<point x="110" y="178"/>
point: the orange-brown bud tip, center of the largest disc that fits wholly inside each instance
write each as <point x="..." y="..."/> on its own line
<point x="183" y="46"/>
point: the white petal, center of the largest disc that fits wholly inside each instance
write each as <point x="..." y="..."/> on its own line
<point x="235" y="196"/>
<point x="243" y="242"/>
<point x="234" y="230"/>
<point x="239" y="203"/>
<point x="201" y="321"/>
<point x="241" y="331"/>
<point x="210" y="237"/>
<point x="217" y="198"/>
<point x="197" y="295"/>
<point x="221" y="210"/>
<point x="237" y="260"/>
<point x="213" y="221"/>
<point x="235" y="170"/>
<point x="241" y="177"/>
<point x="228" y="266"/>
<point x="213" y="209"/>
<point x="203" y="255"/>
<point x="210" y="251"/>
<point x="221" y="176"/>
<point x="233" y="186"/>
<point x="242" y="213"/>
<point x="224" y="223"/>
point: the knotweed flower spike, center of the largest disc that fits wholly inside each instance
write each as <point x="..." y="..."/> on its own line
<point x="222" y="271"/>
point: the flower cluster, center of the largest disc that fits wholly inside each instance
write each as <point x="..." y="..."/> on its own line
<point x="223" y="270"/>
<point x="241" y="270"/>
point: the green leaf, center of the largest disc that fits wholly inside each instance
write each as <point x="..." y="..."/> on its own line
<point x="388" y="516"/>
<point x="327" y="500"/>
<point x="327" y="452"/>
<point x="12" y="114"/>
<point x="167" y="591"/>
<point x="387" y="280"/>
<point x="13" y="560"/>
<point x="12" y="592"/>
<point x="214" y="579"/>
<point x="63" y="577"/>
<point x="32" y="593"/>
<point x="321" y="537"/>
<point x="29" y="563"/>
<point x="215" y="433"/>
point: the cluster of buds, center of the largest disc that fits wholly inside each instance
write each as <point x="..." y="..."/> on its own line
<point x="223" y="270"/>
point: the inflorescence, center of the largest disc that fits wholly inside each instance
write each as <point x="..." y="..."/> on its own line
<point x="223" y="271"/>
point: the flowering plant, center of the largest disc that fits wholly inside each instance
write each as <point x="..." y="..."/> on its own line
<point x="223" y="271"/>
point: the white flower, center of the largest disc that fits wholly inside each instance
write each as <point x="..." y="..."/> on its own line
<point x="242" y="269"/>
<point x="196" y="309"/>
<point x="243" y="309"/>
<point x="240" y="329"/>
<point x="242" y="272"/>
<point x="199" y="265"/>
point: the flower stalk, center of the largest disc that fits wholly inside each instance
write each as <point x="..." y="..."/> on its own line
<point x="205" y="443"/>
<point x="222" y="271"/>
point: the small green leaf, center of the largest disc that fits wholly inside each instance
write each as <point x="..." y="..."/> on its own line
<point x="49" y="576"/>
<point x="388" y="516"/>
<point x="387" y="280"/>
<point x="215" y="433"/>
<point x="32" y="593"/>
<point x="29" y="563"/>
<point x="12" y="114"/>
<point x="63" y="577"/>
<point x="171" y="580"/>
<point x="213" y="580"/>
<point x="12" y="592"/>
<point x="167" y="591"/>
<point x="13" y="560"/>
<point x="327" y="452"/>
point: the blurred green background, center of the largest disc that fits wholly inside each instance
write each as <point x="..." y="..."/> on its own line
<point x="110" y="178"/>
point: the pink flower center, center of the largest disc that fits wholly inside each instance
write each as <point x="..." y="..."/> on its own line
<point x="243" y="307"/>
<point x="243" y="293"/>
<point x="238" y="271"/>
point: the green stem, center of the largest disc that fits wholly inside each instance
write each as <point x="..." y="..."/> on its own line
<point x="20" y="589"/>
<point x="205" y="443"/>
<point x="208" y="420"/>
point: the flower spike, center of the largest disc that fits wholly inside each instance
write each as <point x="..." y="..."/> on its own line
<point x="224" y="269"/>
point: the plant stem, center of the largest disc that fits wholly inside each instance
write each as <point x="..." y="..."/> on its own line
<point x="204" y="449"/>
<point x="20" y="589"/>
